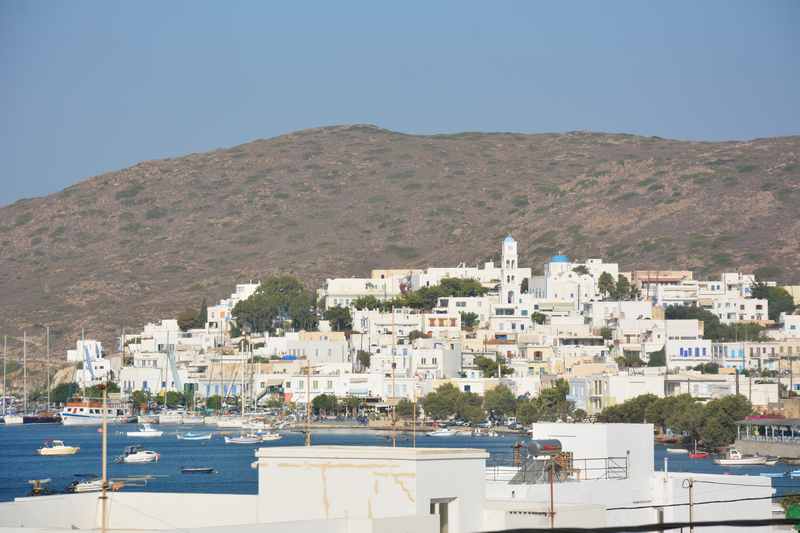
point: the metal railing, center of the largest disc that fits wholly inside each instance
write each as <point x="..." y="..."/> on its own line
<point x="565" y="469"/>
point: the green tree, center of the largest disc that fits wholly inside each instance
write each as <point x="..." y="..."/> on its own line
<point x="633" y="411"/>
<point x="606" y="333"/>
<point x="339" y="318"/>
<point x="405" y="408"/>
<point x="778" y="299"/>
<point x="443" y="402"/>
<point x="622" y="291"/>
<point x="718" y="426"/>
<point x="470" y="407"/>
<point x="708" y="368"/>
<point x="488" y="366"/>
<point x="214" y="402"/>
<point x="468" y="320"/>
<point x="553" y="403"/>
<point x="363" y="358"/>
<point x="579" y="415"/>
<point x="416" y="334"/>
<point x="581" y="270"/>
<point x="140" y="400"/>
<point x="367" y="302"/>
<point x="96" y="391"/>
<point x="657" y="358"/>
<point x="324" y="403"/>
<point x="63" y="392"/>
<point x="528" y="411"/>
<point x="351" y="404"/>
<point x="173" y="399"/>
<point x="538" y="318"/>
<point x="500" y="401"/>
<point x="202" y="315"/>
<point x="277" y="301"/>
<point x="605" y="284"/>
<point x="186" y="319"/>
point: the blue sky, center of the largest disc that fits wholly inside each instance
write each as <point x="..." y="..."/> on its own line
<point x="93" y="86"/>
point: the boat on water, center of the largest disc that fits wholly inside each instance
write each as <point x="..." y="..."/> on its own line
<point x="677" y="450"/>
<point x="250" y="438"/>
<point x="192" y="419"/>
<point x="269" y="436"/>
<point x="772" y="474"/>
<point x="170" y="417"/>
<point x="698" y="454"/>
<point x="230" y="422"/>
<point x="90" y="413"/>
<point x="42" y="417"/>
<point x="772" y="461"/>
<point x="85" y="485"/>
<point x="197" y="470"/>
<point x="443" y="432"/>
<point x="145" y="431"/>
<point x="12" y="420"/>
<point x="194" y="436"/>
<point x="735" y="458"/>
<point x="57" y="447"/>
<point x="137" y="454"/>
<point x="147" y="419"/>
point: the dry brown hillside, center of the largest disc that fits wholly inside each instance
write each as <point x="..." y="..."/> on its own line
<point x="145" y="242"/>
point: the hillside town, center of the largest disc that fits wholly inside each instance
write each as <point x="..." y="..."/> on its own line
<point x="602" y="335"/>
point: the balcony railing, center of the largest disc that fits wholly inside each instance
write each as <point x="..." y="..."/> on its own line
<point x="501" y="467"/>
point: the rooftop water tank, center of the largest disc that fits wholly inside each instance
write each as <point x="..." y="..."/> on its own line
<point x="540" y="447"/>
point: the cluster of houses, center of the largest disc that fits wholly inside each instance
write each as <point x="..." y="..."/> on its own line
<point x="561" y="324"/>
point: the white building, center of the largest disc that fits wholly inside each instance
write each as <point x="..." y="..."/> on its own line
<point x="733" y="309"/>
<point x="341" y="292"/>
<point x="85" y="350"/>
<point x="568" y="281"/>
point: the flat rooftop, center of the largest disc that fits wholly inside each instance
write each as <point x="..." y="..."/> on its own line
<point x="370" y="452"/>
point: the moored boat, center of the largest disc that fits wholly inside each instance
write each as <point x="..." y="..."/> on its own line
<point x="136" y="454"/>
<point x="57" y="447"/>
<point x="197" y="470"/>
<point x="145" y="431"/>
<point x="90" y="413"/>
<point x="677" y="450"/>
<point x="444" y="432"/>
<point x="269" y="436"/>
<point x="243" y="439"/>
<point x="735" y="458"/>
<point x="194" y="436"/>
<point x="12" y="420"/>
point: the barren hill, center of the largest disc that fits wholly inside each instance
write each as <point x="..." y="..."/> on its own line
<point x="145" y="242"/>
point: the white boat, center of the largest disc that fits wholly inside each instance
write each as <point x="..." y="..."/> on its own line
<point x="269" y="436"/>
<point x="444" y="432"/>
<point x="243" y="439"/>
<point x="677" y="450"/>
<point x="229" y="422"/>
<point x="145" y="431"/>
<point x="85" y="485"/>
<point x="147" y="419"/>
<point x="90" y="413"/>
<point x="194" y="436"/>
<point x="135" y="454"/>
<point x="12" y="420"/>
<point x="735" y="458"/>
<point x="57" y="447"/>
<point x="169" y="418"/>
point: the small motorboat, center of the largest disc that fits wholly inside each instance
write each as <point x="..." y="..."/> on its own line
<point x="85" y="485"/>
<point x="698" y="454"/>
<point x="443" y="432"/>
<point x="136" y="454"/>
<point x="772" y="461"/>
<point x="189" y="435"/>
<point x="57" y="447"/>
<point x="677" y="450"/>
<point x="772" y="474"/>
<point x="269" y="435"/>
<point x="243" y="439"/>
<point x="735" y="458"/>
<point x="197" y="470"/>
<point x="145" y="431"/>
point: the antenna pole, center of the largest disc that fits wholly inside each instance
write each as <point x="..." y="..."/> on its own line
<point x="308" y="400"/>
<point x="48" y="367"/>
<point x="104" y="495"/>
<point x="24" y="373"/>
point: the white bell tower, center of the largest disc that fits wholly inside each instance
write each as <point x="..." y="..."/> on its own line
<point x="509" y="284"/>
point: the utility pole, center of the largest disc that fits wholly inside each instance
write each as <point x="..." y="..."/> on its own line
<point x="48" y="367"/>
<point x="689" y="483"/>
<point x="308" y="400"/>
<point x="104" y="494"/>
<point x="550" y="476"/>
<point x="24" y="373"/>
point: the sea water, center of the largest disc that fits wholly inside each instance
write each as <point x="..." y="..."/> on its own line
<point x="233" y="473"/>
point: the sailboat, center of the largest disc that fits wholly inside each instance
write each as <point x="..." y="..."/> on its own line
<point x="698" y="454"/>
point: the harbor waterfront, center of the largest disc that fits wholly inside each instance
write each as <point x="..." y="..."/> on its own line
<point x="232" y="463"/>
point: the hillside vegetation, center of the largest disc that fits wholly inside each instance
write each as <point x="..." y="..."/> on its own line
<point x="148" y="241"/>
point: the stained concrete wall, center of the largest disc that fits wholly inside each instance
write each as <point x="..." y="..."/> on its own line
<point x="779" y="449"/>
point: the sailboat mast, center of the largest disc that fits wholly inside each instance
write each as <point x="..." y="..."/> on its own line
<point x="48" y="366"/>
<point x="5" y="357"/>
<point x="24" y="373"/>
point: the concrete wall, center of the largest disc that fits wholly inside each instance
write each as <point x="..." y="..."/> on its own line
<point x="779" y="449"/>
<point x="369" y="482"/>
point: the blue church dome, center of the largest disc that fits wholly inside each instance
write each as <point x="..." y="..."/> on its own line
<point x="508" y="240"/>
<point x="559" y="259"/>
